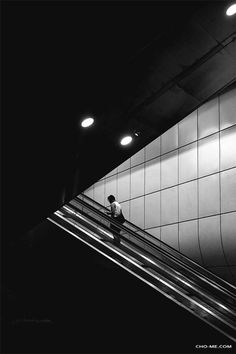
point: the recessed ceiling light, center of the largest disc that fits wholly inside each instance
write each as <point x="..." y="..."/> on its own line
<point x="87" y="122"/>
<point x="231" y="10"/>
<point x="126" y="140"/>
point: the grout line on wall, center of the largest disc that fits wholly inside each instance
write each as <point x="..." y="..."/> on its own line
<point x="144" y="199"/>
<point x="219" y="117"/>
<point x="178" y="184"/>
<point x="193" y="219"/>
<point x="105" y="192"/>
<point x="116" y="187"/>
<point x="130" y="189"/>
<point x="160" y="195"/>
<point x="198" y="204"/>
<point x="220" y="191"/>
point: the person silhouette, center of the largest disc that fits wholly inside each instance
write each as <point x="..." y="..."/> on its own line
<point x="117" y="214"/>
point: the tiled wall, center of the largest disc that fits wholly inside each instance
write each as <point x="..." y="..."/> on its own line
<point x="181" y="187"/>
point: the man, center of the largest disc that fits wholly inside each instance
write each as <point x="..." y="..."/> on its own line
<point x="116" y="214"/>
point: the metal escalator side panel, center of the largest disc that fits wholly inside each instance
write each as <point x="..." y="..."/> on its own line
<point x="156" y="282"/>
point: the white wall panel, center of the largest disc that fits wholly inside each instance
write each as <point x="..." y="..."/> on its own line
<point x="169" y="169"/>
<point x="188" y="240"/>
<point x="126" y="209"/>
<point x="156" y="232"/>
<point x="169" y="140"/>
<point x="137" y="158"/>
<point x="152" y="175"/>
<point x="228" y="148"/>
<point x="188" y="163"/>
<point x="169" y="205"/>
<point x="209" y="195"/>
<point x="228" y="230"/>
<point x="153" y="149"/>
<point x="228" y="109"/>
<point x="124" y="166"/>
<point x="99" y="192"/>
<point x="228" y="190"/>
<point x="89" y="192"/>
<point x="188" y="201"/>
<point x="110" y="187"/>
<point x="137" y="211"/>
<point x="208" y="118"/>
<point x="188" y="129"/>
<point x="152" y="210"/>
<point x="208" y="155"/>
<point x="210" y="241"/>
<point x="137" y="181"/>
<point x="169" y="235"/>
<point x="123" y="186"/>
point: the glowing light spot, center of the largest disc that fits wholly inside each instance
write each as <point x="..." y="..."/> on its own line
<point x="87" y="122"/>
<point x="231" y="10"/>
<point x="126" y="140"/>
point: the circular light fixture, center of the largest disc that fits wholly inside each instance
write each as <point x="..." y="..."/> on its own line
<point x="126" y="140"/>
<point x="87" y="122"/>
<point x="231" y="10"/>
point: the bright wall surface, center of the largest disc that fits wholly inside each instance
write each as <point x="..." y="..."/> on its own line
<point x="181" y="187"/>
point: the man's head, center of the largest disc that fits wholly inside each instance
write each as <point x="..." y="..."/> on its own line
<point x="111" y="198"/>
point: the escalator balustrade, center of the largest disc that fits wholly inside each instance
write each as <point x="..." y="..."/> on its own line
<point x="160" y="266"/>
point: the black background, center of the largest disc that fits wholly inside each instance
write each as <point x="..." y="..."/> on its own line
<point x="59" y="61"/>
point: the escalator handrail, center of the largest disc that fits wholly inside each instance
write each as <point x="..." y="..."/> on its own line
<point x="99" y="223"/>
<point x="176" y="254"/>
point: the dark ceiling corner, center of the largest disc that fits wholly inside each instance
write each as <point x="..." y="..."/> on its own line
<point x="132" y="65"/>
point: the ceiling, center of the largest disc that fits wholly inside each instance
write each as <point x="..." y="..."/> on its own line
<point x="132" y="65"/>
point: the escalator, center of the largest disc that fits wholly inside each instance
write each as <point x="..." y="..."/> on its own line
<point x="172" y="274"/>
